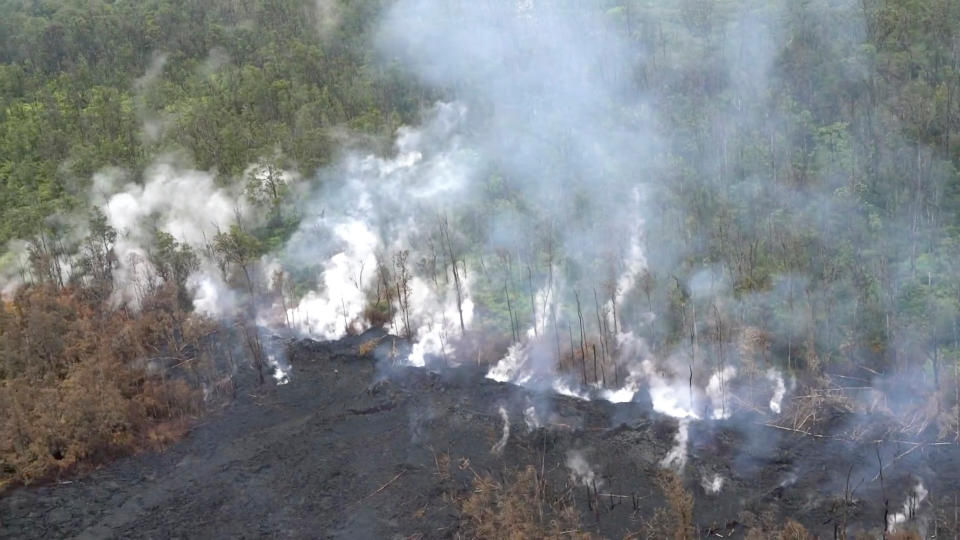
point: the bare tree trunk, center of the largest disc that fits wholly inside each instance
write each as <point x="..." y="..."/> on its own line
<point x="385" y="280"/>
<point x="445" y="229"/>
<point x="603" y="336"/>
<point x="403" y="290"/>
<point x="603" y="372"/>
<point x="513" y="328"/>
<point x="533" y="302"/>
<point x="596" y="377"/>
<point x="256" y="349"/>
<point x="556" y="331"/>
<point x="583" y="338"/>
<point x="723" y="391"/>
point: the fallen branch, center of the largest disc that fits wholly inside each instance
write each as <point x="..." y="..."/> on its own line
<point x="801" y="431"/>
<point x="915" y="444"/>
<point x="383" y="487"/>
<point x="888" y="465"/>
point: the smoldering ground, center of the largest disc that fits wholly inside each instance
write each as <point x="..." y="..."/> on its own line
<point x="342" y="451"/>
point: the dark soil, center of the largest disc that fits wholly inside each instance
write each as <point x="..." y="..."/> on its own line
<point x="349" y="450"/>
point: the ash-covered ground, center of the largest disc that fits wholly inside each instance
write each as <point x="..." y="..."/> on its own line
<point x="348" y="449"/>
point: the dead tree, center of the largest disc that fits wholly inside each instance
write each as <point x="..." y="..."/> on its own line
<point x="583" y="338"/>
<point x="433" y="260"/>
<point x="279" y="284"/>
<point x="533" y="302"/>
<point x="693" y="333"/>
<point x="384" y="282"/>
<point x="445" y="231"/>
<point x="723" y="390"/>
<point x="507" y="262"/>
<point x="613" y="354"/>
<point x="603" y="337"/>
<point x="595" y="379"/>
<point x="611" y="289"/>
<point x="402" y="278"/>
<point x="550" y="292"/>
<point x="883" y="493"/>
<point x="513" y="328"/>
<point x="556" y="331"/>
<point x="252" y="339"/>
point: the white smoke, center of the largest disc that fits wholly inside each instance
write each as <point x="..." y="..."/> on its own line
<point x="13" y="265"/>
<point x="580" y="470"/>
<point x="716" y="391"/>
<point x="712" y="484"/>
<point x="634" y="264"/>
<point x="184" y="203"/>
<point x="510" y="368"/>
<point x="670" y="395"/>
<point x="502" y="443"/>
<point x="676" y="458"/>
<point x="564" y="388"/>
<point x="910" y="507"/>
<point x="520" y="365"/>
<point x="531" y="418"/>
<point x="338" y="306"/>
<point x="281" y="368"/>
<point x="439" y="320"/>
<point x="375" y="207"/>
<point x="212" y="297"/>
<point x="779" y="389"/>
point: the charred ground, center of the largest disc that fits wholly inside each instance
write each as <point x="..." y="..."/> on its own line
<point x="353" y="449"/>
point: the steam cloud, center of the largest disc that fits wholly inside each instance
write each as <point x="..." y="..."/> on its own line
<point x="910" y="507"/>
<point x="580" y="470"/>
<point x="181" y="202"/>
<point x="712" y="484"/>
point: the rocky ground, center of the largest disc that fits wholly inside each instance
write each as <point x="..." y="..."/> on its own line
<point x="352" y="449"/>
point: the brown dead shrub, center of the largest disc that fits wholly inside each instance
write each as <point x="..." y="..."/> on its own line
<point x="675" y="519"/>
<point x="793" y="530"/>
<point x="903" y="535"/>
<point x="367" y="347"/>
<point x="75" y="386"/>
<point x="519" y="510"/>
<point x="378" y="315"/>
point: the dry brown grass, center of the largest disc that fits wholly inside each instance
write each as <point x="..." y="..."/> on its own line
<point x="675" y="519"/>
<point x="813" y="405"/>
<point x="793" y="530"/>
<point x="765" y="527"/>
<point x="164" y="434"/>
<point x="442" y="462"/>
<point x="518" y="510"/>
<point x="367" y="347"/>
<point x="75" y="386"/>
<point x="903" y="535"/>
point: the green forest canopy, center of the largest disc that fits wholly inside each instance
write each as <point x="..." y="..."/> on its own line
<point x="89" y="84"/>
<point x="86" y="84"/>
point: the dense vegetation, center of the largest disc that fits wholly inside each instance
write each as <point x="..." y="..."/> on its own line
<point x="858" y="126"/>
<point x="832" y="203"/>
<point x="90" y="84"/>
<point x="842" y="170"/>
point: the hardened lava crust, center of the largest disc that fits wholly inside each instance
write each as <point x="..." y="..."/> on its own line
<point x="352" y="447"/>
